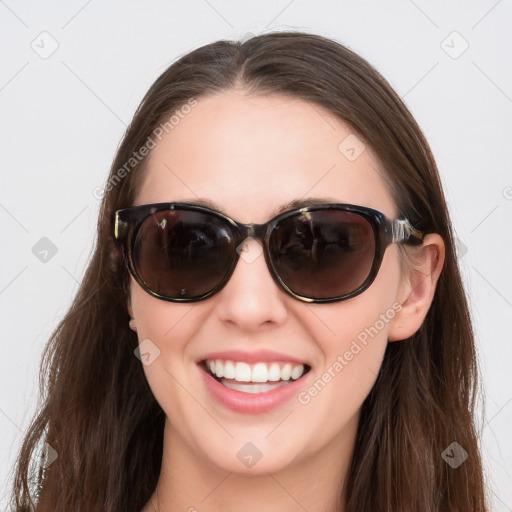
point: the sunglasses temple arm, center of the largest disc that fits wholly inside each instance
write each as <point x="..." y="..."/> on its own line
<point x="402" y="230"/>
<point x="120" y="229"/>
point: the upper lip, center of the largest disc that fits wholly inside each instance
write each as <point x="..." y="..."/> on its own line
<point x="258" y="356"/>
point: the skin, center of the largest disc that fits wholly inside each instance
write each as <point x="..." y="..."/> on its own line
<point x="250" y="155"/>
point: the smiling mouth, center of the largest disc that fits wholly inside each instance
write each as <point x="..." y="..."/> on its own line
<point x="253" y="378"/>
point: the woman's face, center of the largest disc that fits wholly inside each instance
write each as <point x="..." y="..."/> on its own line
<point x="250" y="156"/>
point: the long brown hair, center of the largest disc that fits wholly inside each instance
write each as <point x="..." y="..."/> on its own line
<point x="97" y="410"/>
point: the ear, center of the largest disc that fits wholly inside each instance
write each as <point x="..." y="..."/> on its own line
<point x="418" y="286"/>
<point x="131" y="323"/>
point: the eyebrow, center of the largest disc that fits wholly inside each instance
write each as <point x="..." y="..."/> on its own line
<point x="291" y="205"/>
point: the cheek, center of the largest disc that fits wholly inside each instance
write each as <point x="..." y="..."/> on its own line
<point x="163" y="332"/>
<point x="352" y="336"/>
<point x="370" y="312"/>
<point x="155" y="318"/>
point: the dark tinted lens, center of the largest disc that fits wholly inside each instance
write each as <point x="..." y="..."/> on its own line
<point x="323" y="254"/>
<point x="183" y="253"/>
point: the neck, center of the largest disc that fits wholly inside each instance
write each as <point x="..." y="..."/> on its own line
<point x="191" y="483"/>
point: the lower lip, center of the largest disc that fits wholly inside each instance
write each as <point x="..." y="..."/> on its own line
<point x="250" y="403"/>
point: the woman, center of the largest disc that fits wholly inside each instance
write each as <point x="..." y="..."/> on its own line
<point x="273" y="317"/>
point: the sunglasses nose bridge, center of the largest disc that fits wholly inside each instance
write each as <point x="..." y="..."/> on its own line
<point x="257" y="231"/>
<point x="254" y="231"/>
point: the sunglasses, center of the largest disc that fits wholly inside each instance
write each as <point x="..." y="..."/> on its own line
<point x="181" y="252"/>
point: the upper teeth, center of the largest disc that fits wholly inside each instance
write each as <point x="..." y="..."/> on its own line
<point x="259" y="372"/>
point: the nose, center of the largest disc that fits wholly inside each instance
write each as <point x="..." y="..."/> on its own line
<point x="251" y="300"/>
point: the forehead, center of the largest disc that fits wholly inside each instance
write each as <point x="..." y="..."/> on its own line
<point x="250" y="154"/>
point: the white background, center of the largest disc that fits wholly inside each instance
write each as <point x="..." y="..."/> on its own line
<point x="61" y="119"/>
